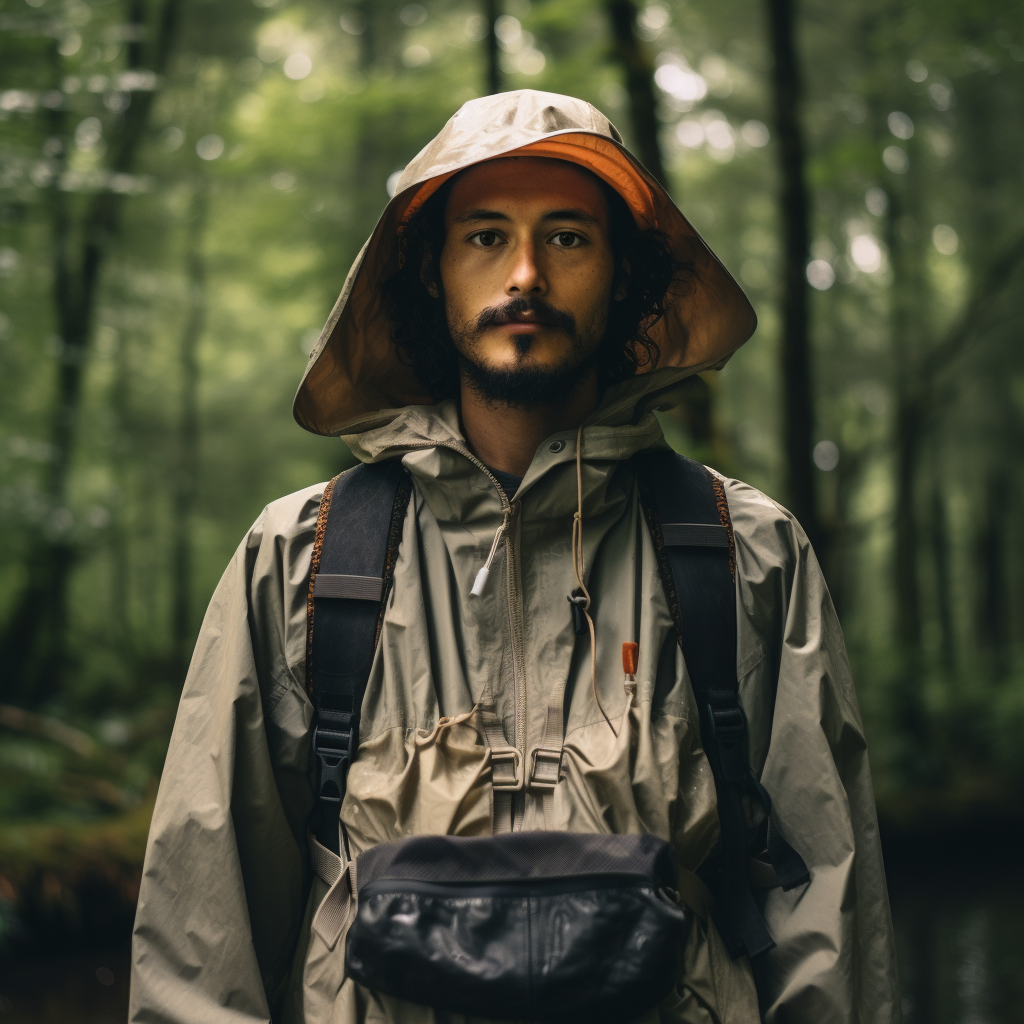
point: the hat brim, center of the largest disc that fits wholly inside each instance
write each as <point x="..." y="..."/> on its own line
<point x="354" y="372"/>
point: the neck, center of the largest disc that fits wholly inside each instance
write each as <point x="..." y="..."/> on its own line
<point x="506" y="437"/>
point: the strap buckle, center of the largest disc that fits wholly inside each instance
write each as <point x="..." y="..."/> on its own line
<point x="333" y="748"/>
<point x="545" y="767"/>
<point x="506" y="768"/>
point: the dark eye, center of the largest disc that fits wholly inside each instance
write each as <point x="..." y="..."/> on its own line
<point x="486" y="238"/>
<point x="567" y="240"/>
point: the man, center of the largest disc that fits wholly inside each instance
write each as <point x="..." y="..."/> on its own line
<point x="527" y="298"/>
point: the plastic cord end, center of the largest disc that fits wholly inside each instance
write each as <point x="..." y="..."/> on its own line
<point x="480" y="582"/>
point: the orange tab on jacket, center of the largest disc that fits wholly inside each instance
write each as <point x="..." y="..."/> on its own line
<point x="630" y="657"/>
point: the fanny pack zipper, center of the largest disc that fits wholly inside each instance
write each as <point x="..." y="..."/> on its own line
<point x="527" y="887"/>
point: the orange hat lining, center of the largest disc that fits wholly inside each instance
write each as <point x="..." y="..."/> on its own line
<point x="596" y="154"/>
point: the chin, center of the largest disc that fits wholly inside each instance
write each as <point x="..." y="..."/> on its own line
<point x="524" y="382"/>
<point x="526" y="352"/>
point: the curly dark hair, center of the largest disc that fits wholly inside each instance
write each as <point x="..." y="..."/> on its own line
<point x="419" y="326"/>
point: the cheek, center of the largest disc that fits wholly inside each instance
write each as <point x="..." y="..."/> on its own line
<point x="461" y="284"/>
<point x="594" y="291"/>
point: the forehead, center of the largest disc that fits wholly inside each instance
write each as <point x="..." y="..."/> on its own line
<point x="526" y="185"/>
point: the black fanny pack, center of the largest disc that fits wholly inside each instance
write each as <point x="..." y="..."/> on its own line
<point x="546" y="926"/>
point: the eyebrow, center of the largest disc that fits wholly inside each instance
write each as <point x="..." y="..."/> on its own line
<point x="574" y="214"/>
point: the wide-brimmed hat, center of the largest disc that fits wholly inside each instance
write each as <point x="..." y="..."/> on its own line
<point x="354" y="371"/>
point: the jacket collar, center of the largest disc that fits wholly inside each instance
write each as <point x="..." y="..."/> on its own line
<point x="430" y="440"/>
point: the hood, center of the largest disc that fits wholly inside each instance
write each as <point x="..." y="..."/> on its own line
<point x="354" y="377"/>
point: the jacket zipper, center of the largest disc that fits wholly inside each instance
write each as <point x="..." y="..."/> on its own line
<point x="515" y="609"/>
<point x="515" y="622"/>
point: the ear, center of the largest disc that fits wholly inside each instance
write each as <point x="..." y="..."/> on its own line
<point x="427" y="277"/>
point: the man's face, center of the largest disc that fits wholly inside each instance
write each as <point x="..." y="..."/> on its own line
<point x="527" y="272"/>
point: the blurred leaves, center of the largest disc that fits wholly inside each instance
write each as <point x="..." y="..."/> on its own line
<point x="291" y="117"/>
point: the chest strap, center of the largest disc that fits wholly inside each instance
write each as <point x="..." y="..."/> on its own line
<point x="358" y="532"/>
<point x="688" y="515"/>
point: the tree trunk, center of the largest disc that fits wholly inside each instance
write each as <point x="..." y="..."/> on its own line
<point x="120" y="553"/>
<point x="990" y="556"/>
<point x="187" y="468"/>
<point x="638" y="69"/>
<point x="368" y="37"/>
<point x="797" y="377"/>
<point x="905" y="305"/>
<point x="492" y="11"/>
<point x="842" y="565"/>
<point x="943" y="586"/>
<point x="696" y="411"/>
<point x="32" y="653"/>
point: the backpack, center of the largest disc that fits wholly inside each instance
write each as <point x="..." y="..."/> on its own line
<point x="359" y="529"/>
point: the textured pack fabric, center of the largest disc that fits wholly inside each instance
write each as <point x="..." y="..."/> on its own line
<point x="548" y="926"/>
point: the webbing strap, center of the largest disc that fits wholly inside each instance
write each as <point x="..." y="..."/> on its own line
<point x="701" y="535"/>
<point x="506" y="766"/>
<point x="358" y="532"/>
<point x="688" y="516"/>
<point x="544" y="769"/>
<point x="326" y="864"/>
<point x="357" y="588"/>
<point x="338" y="908"/>
<point x="545" y="764"/>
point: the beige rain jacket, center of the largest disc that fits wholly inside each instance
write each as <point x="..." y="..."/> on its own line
<point x="225" y="932"/>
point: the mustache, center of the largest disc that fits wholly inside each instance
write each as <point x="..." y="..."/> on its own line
<point x="526" y="311"/>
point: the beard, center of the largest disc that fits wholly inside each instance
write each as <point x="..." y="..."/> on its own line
<point x="521" y="385"/>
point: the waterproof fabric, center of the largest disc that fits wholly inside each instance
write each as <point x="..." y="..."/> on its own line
<point x="225" y="927"/>
<point x="354" y="374"/>
<point x="223" y="932"/>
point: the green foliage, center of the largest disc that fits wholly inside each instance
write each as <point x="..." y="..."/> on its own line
<point x="262" y="168"/>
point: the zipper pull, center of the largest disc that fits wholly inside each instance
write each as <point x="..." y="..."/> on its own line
<point x="481" y="577"/>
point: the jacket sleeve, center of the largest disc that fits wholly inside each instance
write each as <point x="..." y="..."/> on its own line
<point x="834" y="960"/>
<point x="225" y="878"/>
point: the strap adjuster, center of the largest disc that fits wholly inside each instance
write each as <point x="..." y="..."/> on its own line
<point x="506" y="768"/>
<point x="725" y="724"/>
<point x="727" y="742"/>
<point x="545" y="767"/>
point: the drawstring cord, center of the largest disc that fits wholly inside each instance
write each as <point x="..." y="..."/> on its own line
<point x="579" y="568"/>
<point x="481" y="577"/>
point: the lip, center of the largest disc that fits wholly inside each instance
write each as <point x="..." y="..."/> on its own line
<point x="523" y="326"/>
<point x="524" y="323"/>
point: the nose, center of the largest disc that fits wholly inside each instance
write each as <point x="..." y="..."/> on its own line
<point x="525" y="275"/>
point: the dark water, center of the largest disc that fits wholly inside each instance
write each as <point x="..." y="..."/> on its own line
<point x="88" y="988"/>
<point x="960" y="943"/>
<point x="959" y="939"/>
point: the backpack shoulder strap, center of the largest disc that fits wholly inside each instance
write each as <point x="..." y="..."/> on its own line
<point x="688" y="515"/>
<point x="358" y="531"/>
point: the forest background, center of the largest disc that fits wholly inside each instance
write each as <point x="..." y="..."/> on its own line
<point x="183" y="185"/>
